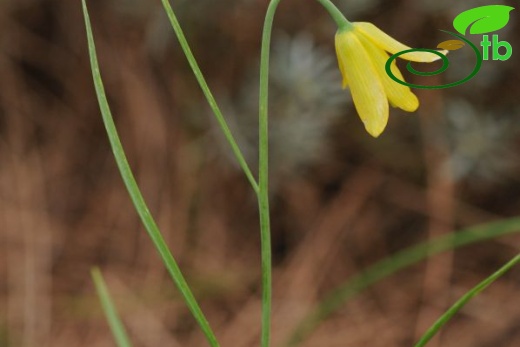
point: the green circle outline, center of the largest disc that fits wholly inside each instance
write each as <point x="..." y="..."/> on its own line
<point x="445" y="65"/>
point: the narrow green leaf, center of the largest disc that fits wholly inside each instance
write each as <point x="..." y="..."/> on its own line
<point x="434" y="329"/>
<point x="483" y="19"/>
<point x="135" y="194"/>
<point x="209" y="96"/>
<point x="116" y="326"/>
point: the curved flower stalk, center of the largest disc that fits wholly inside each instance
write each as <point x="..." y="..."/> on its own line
<point x="362" y="49"/>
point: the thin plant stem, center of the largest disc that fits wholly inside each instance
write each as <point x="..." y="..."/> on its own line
<point x="336" y="14"/>
<point x="135" y="193"/>
<point x="434" y="329"/>
<point x="263" y="175"/>
<point x="116" y="326"/>
<point x="209" y="96"/>
<point x="263" y="160"/>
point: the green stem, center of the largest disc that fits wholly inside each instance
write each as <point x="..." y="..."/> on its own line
<point x="209" y="96"/>
<point x="263" y="160"/>
<point x="336" y="14"/>
<point x="263" y="175"/>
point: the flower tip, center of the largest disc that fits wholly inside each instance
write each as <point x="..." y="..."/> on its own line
<point x="375" y="134"/>
<point x="374" y="129"/>
<point x="410" y="103"/>
<point x="443" y="52"/>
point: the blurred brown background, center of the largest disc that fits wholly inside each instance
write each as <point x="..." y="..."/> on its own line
<point x="340" y="199"/>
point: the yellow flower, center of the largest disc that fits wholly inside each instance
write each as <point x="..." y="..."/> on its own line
<point x="362" y="54"/>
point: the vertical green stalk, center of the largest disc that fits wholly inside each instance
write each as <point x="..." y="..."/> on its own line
<point x="207" y="93"/>
<point x="263" y="161"/>
<point x="263" y="175"/>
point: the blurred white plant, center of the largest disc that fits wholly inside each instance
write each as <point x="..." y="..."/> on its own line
<point x="480" y="142"/>
<point x="305" y="97"/>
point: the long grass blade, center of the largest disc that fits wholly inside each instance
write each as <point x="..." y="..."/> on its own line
<point x="135" y="193"/>
<point x="434" y="329"/>
<point x="209" y="95"/>
<point x="386" y="267"/>
<point x="116" y="326"/>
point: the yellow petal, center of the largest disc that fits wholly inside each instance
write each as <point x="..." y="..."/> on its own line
<point x="344" y="83"/>
<point x="391" y="45"/>
<point x="399" y="95"/>
<point x="367" y="90"/>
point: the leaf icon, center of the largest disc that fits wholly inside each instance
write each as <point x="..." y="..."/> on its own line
<point x="451" y="45"/>
<point x="483" y="19"/>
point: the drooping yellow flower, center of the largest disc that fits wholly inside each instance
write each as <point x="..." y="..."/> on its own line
<point x="362" y="54"/>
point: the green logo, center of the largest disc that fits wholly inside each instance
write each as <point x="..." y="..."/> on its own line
<point x="479" y="21"/>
